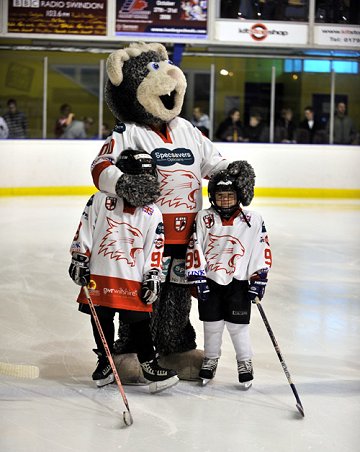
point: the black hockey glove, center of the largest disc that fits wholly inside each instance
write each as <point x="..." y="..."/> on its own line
<point x="256" y="290"/>
<point x="150" y="289"/>
<point x="202" y="287"/>
<point x="79" y="269"/>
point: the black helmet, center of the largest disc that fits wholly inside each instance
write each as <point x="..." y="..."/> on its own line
<point x="223" y="181"/>
<point x="134" y="162"/>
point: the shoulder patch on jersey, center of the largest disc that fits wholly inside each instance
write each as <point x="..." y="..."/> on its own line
<point x="110" y="202"/>
<point x="263" y="228"/>
<point x="149" y="210"/>
<point x="160" y="228"/>
<point x="120" y="128"/>
<point x="209" y="220"/>
<point x="90" y="201"/>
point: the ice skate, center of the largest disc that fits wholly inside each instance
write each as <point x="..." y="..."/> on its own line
<point x="208" y="370"/>
<point x="103" y="374"/>
<point x="245" y="371"/>
<point x="158" y="377"/>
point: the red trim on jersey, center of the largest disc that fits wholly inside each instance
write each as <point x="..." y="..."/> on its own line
<point x="177" y="233"/>
<point x="97" y="170"/>
<point x="230" y="221"/>
<point x="166" y="138"/>
<point x="115" y="293"/>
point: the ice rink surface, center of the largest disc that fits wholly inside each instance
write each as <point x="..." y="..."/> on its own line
<point x="312" y="303"/>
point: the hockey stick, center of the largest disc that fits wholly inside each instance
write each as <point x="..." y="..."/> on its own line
<point x="128" y="420"/>
<point x="281" y="359"/>
<point x="19" y="370"/>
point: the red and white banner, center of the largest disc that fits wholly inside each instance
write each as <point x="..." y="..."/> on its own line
<point x="261" y="32"/>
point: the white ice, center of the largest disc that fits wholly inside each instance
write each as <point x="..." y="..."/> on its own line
<point x="312" y="303"/>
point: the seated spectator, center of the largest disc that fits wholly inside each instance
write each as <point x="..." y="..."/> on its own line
<point x="201" y="121"/>
<point x="78" y="130"/>
<point x="256" y="131"/>
<point x="4" y="130"/>
<point x="285" y="128"/>
<point x="344" y="127"/>
<point x="310" y="129"/>
<point x="65" y="119"/>
<point x="15" y="120"/>
<point x="231" y="128"/>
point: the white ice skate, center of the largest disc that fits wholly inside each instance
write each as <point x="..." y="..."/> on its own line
<point x="246" y="374"/>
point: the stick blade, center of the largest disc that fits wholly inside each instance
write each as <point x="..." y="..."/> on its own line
<point x="300" y="409"/>
<point x="128" y="420"/>
<point x="19" y="370"/>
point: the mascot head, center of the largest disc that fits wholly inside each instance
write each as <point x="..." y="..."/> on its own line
<point x="144" y="86"/>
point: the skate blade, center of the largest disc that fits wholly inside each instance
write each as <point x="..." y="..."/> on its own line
<point x="105" y="381"/>
<point x="158" y="386"/>
<point x="246" y="385"/>
<point x="204" y="381"/>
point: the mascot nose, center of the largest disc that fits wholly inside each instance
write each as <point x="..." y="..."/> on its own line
<point x="174" y="73"/>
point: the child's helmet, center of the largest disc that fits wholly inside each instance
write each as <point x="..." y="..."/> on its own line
<point x="223" y="181"/>
<point x="136" y="162"/>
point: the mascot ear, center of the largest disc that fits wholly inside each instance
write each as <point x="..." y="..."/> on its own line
<point x="114" y="66"/>
<point x="116" y="59"/>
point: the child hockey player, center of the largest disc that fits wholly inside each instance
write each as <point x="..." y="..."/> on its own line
<point x="117" y="252"/>
<point x="228" y="260"/>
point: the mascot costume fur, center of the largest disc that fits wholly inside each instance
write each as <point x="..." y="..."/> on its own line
<point x="145" y="93"/>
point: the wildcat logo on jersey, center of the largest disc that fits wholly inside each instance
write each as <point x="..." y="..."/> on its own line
<point x="122" y="241"/>
<point x="222" y="252"/>
<point x="110" y="203"/>
<point x="209" y="220"/>
<point x="180" y="224"/>
<point x="178" y="188"/>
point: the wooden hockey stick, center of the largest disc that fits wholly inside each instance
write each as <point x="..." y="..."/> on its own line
<point x="19" y="370"/>
<point x="128" y="420"/>
<point x="281" y="359"/>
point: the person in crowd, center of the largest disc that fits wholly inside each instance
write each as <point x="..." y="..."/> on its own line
<point x="16" y="121"/>
<point x="4" y="130"/>
<point x="201" y="121"/>
<point x="345" y="131"/>
<point x="256" y="131"/>
<point x="285" y="131"/>
<point x="64" y="120"/>
<point x="310" y="129"/>
<point x="230" y="129"/>
<point x="78" y="130"/>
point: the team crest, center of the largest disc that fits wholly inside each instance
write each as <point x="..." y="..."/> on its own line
<point x="110" y="203"/>
<point x="209" y="221"/>
<point x="180" y="223"/>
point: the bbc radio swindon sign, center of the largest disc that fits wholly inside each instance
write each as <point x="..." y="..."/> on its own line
<point x="163" y="18"/>
<point x="60" y="17"/>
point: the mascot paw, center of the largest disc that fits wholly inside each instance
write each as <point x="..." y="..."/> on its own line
<point x="187" y="364"/>
<point x="129" y="369"/>
<point x="245" y="180"/>
<point x="139" y="189"/>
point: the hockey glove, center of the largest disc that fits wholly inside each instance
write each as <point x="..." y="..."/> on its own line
<point x="256" y="290"/>
<point x="202" y="287"/>
<point x="150" y="289"/>
<point x="79" y="269"/>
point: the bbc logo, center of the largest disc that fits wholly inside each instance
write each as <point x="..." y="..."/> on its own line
<point x="26" y="3"/>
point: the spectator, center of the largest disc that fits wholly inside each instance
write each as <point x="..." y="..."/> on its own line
<point x="310" y="129"/>
<point x="15" y="120"/>
<point x="231" y="128"/>
<point x="285" y="128"/>
<point x="201" y="121"/>
<point x="78" y="130"/>
<point x="65" y="119"/>
<point x="344" y="128"/>
<point x="4" y="130"/>
<point x="256" y="131"/>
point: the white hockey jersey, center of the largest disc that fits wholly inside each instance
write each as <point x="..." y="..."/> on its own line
<point x="123" y="243"/>
<point x="225" y="249"/>
<point x="183" y="157"/>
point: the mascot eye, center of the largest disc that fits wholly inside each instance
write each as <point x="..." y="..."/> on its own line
<point x="170" y="62"/>
<point x="153" y="66"/>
